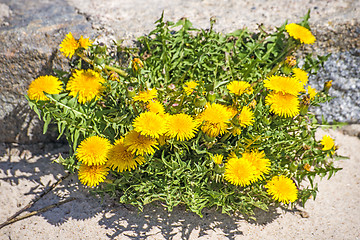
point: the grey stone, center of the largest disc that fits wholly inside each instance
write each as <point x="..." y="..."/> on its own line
<point x="29" y="43"/>
<point x="351" y="130"/>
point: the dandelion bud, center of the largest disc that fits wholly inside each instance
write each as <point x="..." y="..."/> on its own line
<point x="293" y="167"/>
<point x="211" y="96"/>
<point x="101" y="48"/>
<point x="98" y="59"/>
<point x="304" y="105"/>
<point x="290" y="61"/>
<point x="130" y="92"/>
<point x="327" y="86"/>
<point x="200" y="102"/>
<point x="137" y="64"/>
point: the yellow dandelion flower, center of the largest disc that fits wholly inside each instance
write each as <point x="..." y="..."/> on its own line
<point x="258" y="160"/>
<point x="120" y="159"/>
<point x="48" y="84"/>
<point x="155" y="107"/>
<point x="301" y="76"/>
<point x="215" y="118"/>
<point x="300" y="33"/>
<point x="239" y="171"/>
<point x="217" y="158"/>
<point x="284" y="85"/>
<point x="282" y="189"/>
<point x="85" y="83"/>
<point x="235" y="130"/>
<point x="284" y="105"/>
<point x="85" y="42"/>
<point x="93" y="150"/>
<point x="190" y="86"/>
<point x="150" y="124"/>
<point x="246" y="117"/>
<point x="139" y="144"/>
<point x="181" y="126"/>
<point x="92" y="175"/>
<point x="328" y="142"/>
<point x="162" y="140"/>
<point x="240" y="87"/>
<point x="233" y="111"/>
<point x="312" y="92"/>
<point x="69" y="45"/>
<point x="146" y="96"/>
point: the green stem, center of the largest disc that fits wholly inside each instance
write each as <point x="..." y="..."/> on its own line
<point x="117" y="70"/>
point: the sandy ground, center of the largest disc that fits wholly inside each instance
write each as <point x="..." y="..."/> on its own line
<point x="27" y="170"/>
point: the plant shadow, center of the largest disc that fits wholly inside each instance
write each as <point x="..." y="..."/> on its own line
<point x="32" y="164"/>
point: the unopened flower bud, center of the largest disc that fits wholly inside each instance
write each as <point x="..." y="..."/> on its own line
<point x="200" y="102"/>
<point x="304" y="105"/>
<point x="327" y="86"/>
<point x="100" y="48"/>
<point x="211" y="96"/>
<point x="137" y="64"/>
<point x="290" y="61"/>
<point x="130" y="92"/>
<point x="98" y="59"/>
<point x="253" y="104"/>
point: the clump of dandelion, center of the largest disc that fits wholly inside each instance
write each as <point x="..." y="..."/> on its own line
<point x="284" y="105"/>
<point x="86" y="84"/>
<point x="69" y="45"/>
<point x="181" y="126"/>
<point x="285" y="85"/>
<point x="259" y="161"/>
<point x="190" y="86"/>
<point x="239" y="171"/>
<point x="120" y="159"/>
<point x="217" y="158"/>
<point x="139" y="144"/>
<point x="215" y="118"/>
<point x="155" y="107"/>
<point x="327" y="142"/>
<point x="93" y="150"/>
<point x="146" y="96"/>
<point x="85" y="42"/>
<point x="282" y="189"/>
<point x="92" y="175"/>
<point x="246" y="117"/>
<point x="301" y="76"/>
<point x="150" y="124"/>
<point x="300" y="33"/>
<point x="48" y="84"/>
<point x="240" y="87"/>
<point x="312" y="92"/>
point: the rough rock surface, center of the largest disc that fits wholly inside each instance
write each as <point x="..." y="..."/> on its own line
<point x="30" y="32"/>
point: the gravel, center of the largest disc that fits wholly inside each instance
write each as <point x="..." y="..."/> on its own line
<point x="343" y="69"/>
